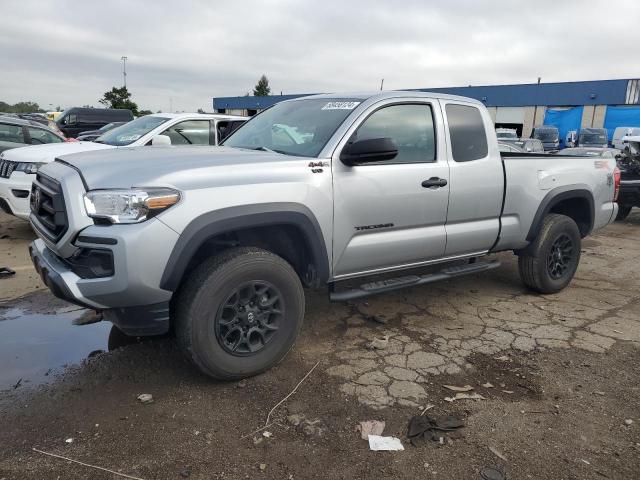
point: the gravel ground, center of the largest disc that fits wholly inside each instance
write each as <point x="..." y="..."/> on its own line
<point x="558" y="375"/>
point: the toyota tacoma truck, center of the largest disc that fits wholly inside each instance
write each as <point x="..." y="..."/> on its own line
<point x="216" y="244"/>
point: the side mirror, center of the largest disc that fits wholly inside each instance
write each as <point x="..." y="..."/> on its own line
<point x="161" y="140"/>
<point x="368" y="150"/>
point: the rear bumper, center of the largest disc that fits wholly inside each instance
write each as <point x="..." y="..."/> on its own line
<point x="14" y="194"/>
<point x="629" y="193"/>
<point x="57" y="275"/>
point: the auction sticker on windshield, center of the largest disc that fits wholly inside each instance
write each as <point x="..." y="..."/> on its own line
<point x="340" y="105"/>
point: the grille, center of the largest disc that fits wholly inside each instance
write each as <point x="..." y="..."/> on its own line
<point x="48" y="208"/>
<point x="6" y="168"/>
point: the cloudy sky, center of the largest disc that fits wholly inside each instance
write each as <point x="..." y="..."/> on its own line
<point x="59" y="52"/>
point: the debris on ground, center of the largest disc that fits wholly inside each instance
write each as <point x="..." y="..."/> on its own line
<point x="69" y="440"/>
<point x="466" y="388"/>
<point x="428" y="407"/>
<point x="308" y="427"/>
<point x="377" y="318"/>
<point x="487" y="385"/>
<point x="145" y="398"/>
<point x="628" y="422"/>
<point x="241" y="384"/>
<point x="263" y="466"/>
<point x="508" y="391"/>
<point x="600" y="393"/>
<point x="185" y="472"/>
<point x="313" y="428"/>
<point x="464" y="396"/>
<point x="378" y="443"/>
<point x="490" y="473"/>
<point x="379" y="343"/>
<point x="498" y="454"/>
<point x="295" y="419"/>
<point x="430" y="427"/>
<point x="266" y="434"/>
<point x="370" y="427"/>
<point x="6" y="272"/>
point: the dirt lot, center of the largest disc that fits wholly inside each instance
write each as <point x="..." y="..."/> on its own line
<point x="564" y="400"/>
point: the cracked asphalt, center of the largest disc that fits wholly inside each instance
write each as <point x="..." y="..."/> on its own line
<point x="556" y="375"/>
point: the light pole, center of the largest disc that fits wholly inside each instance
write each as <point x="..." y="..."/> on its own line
<point x="124" y="70"/>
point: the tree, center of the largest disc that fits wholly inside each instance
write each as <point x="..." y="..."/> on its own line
<point x="119" y="98"/>
<point x="262" y="87"/>
<point x="142" y="113"/>
<point x="201" y="110"/>
<point x="20" y="107"/>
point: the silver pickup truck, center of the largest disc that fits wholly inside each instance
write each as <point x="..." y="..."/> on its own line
<point x="216" y="243"/>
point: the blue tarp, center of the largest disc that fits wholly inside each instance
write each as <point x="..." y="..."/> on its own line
<point x="621" y="117"/>
<point x="564" y="120"/>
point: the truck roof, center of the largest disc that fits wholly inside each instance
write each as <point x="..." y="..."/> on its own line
<point x="374" y="96"/>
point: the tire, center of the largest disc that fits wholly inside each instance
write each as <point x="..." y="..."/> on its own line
<point x="623" y="212"/>
<point x="214" y="324"/>
<point x="547" y="266"/>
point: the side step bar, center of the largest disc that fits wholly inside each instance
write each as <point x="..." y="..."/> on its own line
<point x="397" y="283"/>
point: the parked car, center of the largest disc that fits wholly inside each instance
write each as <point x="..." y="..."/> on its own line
<point x="506" y="134"/>
<point x="620" y="132"/>
<point x="549" y="136"/>
<point x="155" y="129"/>
<point x="76" y="120"/>
<point x="91" y="135"/>
<point x="527" y="145"/>
<point x="571" y="139"/>
<point x="509" y="147"/>
<point x="216" y="244"/>
<point x="593" y="137"/>
<point x="603" y="152"/>
<point x="15" y="133"/>
<point x="629" y="165"/>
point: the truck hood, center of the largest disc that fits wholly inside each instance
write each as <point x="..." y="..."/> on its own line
<point x="182" y="167"/>
<point x="49" y="152"/>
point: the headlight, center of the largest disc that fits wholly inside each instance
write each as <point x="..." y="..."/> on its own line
<point x="28" y="167"/>
<point x="129" y="206"/>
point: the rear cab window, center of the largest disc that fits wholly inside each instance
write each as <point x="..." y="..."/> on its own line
<point x="466" y="132"/>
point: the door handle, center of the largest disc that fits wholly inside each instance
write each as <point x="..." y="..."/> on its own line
<point x="434" y="182"/>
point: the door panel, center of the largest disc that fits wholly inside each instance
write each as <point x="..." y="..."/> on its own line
<point x="477" y="180"/>
<point x="383" y="216"/>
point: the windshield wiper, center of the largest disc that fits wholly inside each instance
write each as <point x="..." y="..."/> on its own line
<point x="270" y="150"/>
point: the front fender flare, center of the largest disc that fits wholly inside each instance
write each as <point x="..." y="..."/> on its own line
<point x="210" y="224"/>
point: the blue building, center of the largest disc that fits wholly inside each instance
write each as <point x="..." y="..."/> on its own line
<point x="567" y="105"/>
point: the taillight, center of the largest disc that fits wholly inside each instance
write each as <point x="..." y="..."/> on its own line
<point x="616" y="183"/>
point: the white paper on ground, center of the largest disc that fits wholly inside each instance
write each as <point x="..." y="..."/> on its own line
<point x="377" y="442"/>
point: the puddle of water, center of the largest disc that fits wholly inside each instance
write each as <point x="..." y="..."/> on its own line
<point x="35" y="346"/>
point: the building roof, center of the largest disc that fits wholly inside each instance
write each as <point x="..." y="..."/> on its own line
<point x="593" y="92"/>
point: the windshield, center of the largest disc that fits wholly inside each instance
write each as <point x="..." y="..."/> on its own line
<point x="546" y="135"/>
<point x="108" y="126"/>
<point x="299" y="127"/>
<point x="503" y="135"/>
<point x="594" y="138"/>
<point x="130" y="132"/>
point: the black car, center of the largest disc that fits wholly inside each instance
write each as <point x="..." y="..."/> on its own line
<point x="76" y="120"/>
<point x="91" y="135"/>
<point x="15" y="132"/>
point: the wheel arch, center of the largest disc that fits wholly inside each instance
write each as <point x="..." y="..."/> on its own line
<point x="295" y="221"/>
<point x="574" y="201"/>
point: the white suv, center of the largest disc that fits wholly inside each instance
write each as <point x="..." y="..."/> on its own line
<point x="18" y="166"/>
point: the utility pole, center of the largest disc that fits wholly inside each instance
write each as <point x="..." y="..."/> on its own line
<point x="535" y="107"/>
<point x="124" y="70"/>
<point x="381" y="84"/>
